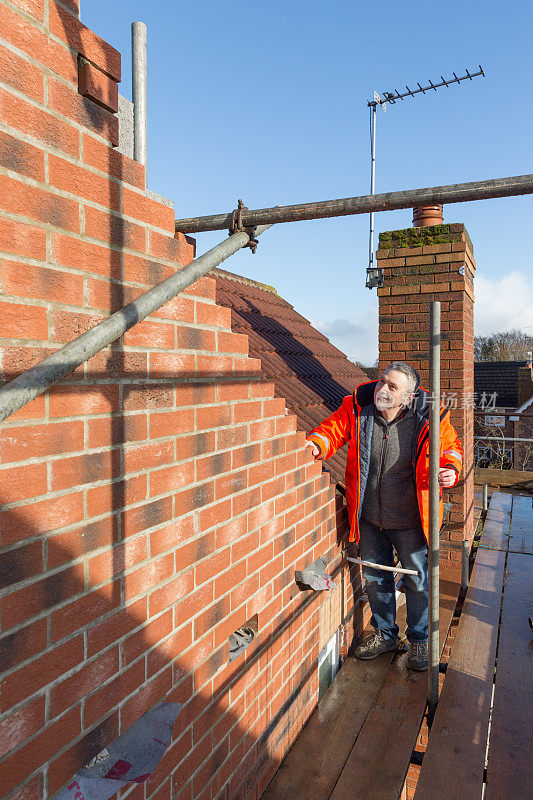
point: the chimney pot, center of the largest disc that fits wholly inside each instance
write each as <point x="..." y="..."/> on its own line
<point x="427" y="215"/>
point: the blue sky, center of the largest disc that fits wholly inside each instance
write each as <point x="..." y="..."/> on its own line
<point x="267" y="102"/>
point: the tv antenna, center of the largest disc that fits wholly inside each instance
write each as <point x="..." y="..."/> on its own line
<point x="373" y="276"/>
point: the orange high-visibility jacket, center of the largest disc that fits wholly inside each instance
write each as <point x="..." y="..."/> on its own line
<point x="353" y="422"/>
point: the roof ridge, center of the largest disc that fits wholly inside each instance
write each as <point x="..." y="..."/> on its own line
<point x="241" y="279"/>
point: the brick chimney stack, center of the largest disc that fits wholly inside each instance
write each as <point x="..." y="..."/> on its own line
<point x="422" y="264"/>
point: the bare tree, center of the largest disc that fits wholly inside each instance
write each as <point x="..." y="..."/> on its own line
<point x="511" y="345"/>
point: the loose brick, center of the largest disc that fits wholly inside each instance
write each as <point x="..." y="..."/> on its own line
<point x="98" y="87"/>
<point x="70" y="30"/>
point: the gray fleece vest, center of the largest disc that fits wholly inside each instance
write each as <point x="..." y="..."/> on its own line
<point x="390" y="499"/>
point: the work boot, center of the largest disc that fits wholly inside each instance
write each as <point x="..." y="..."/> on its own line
<point x="418" y="656"/>
<point x="375" y="646"/>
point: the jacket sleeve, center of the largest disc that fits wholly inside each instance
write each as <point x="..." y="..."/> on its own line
<point x="451" y="447"/>
<point x="334" y="431"/>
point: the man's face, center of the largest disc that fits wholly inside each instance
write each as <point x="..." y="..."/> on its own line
<point x="391" y="391"/>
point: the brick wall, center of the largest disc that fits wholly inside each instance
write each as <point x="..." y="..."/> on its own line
<point x="157" y="498"/>
<point x="422" y="265"/>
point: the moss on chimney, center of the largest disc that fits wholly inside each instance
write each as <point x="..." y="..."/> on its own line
<point x="417" y="237"/>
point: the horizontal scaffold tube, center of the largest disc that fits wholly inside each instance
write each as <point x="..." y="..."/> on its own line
<point x="456" y="193"/>
<point x="20" y="391"/>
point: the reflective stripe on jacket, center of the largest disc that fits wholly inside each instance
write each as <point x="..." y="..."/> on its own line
<point x="353" y="422"/>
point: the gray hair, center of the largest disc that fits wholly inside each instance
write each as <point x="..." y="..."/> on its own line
<point x="413" y="378"/>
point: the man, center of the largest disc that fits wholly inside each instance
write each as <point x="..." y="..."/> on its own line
<point x="386" y="423"/>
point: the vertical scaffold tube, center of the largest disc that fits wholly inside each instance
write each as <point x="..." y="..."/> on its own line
<point x="433" y="573"/>
<point x="139" y="81"/>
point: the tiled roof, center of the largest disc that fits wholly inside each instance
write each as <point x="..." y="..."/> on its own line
<point x="500" y="377"/>
<point x="307" y="370"/>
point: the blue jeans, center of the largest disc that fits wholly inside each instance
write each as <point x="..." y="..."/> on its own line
<point x="410" y="544"/>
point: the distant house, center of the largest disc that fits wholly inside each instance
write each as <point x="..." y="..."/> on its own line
<point x="503" y="393"/>
<point x="307" y="370"/>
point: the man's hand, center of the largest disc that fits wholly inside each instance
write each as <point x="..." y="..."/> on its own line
<point x="314" y="449"/>
<point x="447" y="477"/>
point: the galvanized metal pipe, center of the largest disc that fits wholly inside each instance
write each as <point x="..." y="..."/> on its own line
<point x="372" y="185"/>
<point x="485" y="497"/>
<point x="39" y="378"/>
<point x="139" y="85"/>
<point x="433" y="548"/>
<point x="465" y="564"/>
<point x="455" y="193"/>
<point x="382" y="566"/>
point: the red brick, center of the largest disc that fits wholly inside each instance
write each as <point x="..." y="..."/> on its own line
<point x="40" y="671"/>
<point x="38" y="597"/>
<point x="150" y="334"/>
<point x="36" y="752"/>
<point x="19" y="74"/>
<point x="63" y="547"/>
<point x="45" y="515"/>
<point x="168" y="594"/>
<point x="140" y="518"/>
<point x="150" y="693"/>
<point x="212" y="465"/>
<point x="210" y="618"/>
<point x="84" y="610"/>
<point x="86" y="256"/>
<point x="195" y="338"/>
<point x="21" y="483"/>
<point x="195" y="394"/>
<point x="213" y="315"/>
<point x="194" y="498"/>
<point x="98" y="87"/>
<point x="170" y="536"/>
<point x="66" y="401"/>
<point x="171" y="248"/>
<point x="163" y="365"/>
<point x="79" y="685"/>
<point x="21" y="725"/>
<point x="171" y="423"/>
<point x="171" y="478"/>
<point x="79" y="470"/>
<point x="24" y="240"/>
<point x="70" y="30"/>
<point x="113" y="693"/>
<point x="117" y="626"/>
<point x="67" y="325"/>
<point x="103" y="157"/>
<point x="214" y="515"/>
<point x="126" y="428"/>
<point x="63" y="767"/>
<point x="116" y="495"/>
<point x="213" y="417"/>
<point x="26" y="643"/>
<point x="232" y="343"/>
<point x="27" y="280"/>
<point x="195" y="445"/>
<point x="115" y="560"/>
<point x="21" y="157"/>
<point x="21" y="563"/>
<point x="81" y="182"/>
<point x="34" y="203"/>
<point x="113" y="230"/>
<point x="141" y="396"/>
<point x="147" y="637"/>
<point x="148" y="272"/>
<point x="148" y="211"/>
<point x="148" y="456"/>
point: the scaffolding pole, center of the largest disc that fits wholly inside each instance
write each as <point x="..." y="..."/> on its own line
<point x="26" y="387"/>
<point x="390" y="201"/>
<point x="433" y="550"/>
